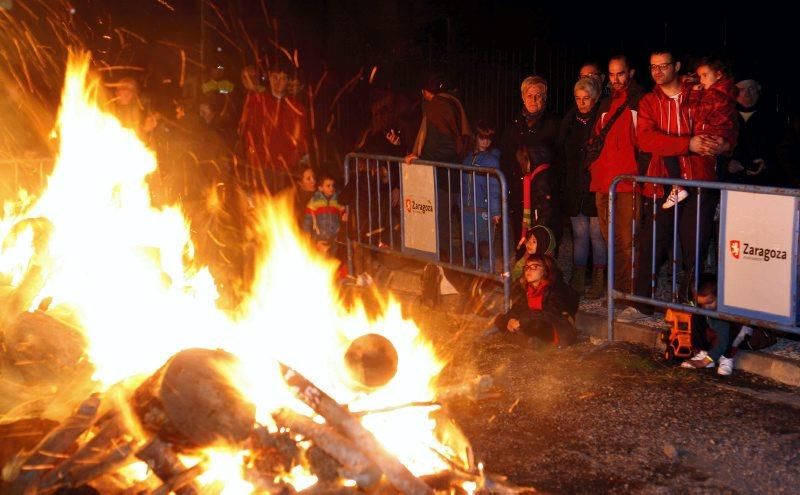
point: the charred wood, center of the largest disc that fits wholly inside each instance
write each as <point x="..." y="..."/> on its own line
<point x="340" y="418"/>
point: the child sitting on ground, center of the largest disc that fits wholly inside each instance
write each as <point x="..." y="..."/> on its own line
<point x="538" y="240"/>
<point x="544" y="306"/>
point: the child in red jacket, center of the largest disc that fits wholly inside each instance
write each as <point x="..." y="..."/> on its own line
<point x="712" y="112"/>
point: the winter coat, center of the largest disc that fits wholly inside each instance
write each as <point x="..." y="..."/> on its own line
<point x="620" y="153"/>
<point x="712" y="111"/>
<point x="482" y="197"/>
<point x="576" y="129"/>
<point x="323" y="217"/>
<point x="664" y="129"/>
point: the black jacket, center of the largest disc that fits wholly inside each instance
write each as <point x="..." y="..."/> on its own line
<point x="572" y="138"/>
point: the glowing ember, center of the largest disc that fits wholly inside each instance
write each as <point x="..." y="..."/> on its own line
<point x="124" y="270"/>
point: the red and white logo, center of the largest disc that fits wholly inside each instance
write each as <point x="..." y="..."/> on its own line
<point x="735" y="248"/>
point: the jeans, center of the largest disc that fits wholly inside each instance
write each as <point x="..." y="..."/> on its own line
<point x="586" y="231"/>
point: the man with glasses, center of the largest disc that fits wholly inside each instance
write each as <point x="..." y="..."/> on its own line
<point x="664" y="130"/>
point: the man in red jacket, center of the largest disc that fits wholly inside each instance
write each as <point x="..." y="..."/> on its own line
<point x="664" y="129"/>
<point x="615" y="136"/>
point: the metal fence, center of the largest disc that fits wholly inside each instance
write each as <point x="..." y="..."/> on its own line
<point x="704" y="191"/>
<point x="28" y="174"/>
<point x="468" y="199"/>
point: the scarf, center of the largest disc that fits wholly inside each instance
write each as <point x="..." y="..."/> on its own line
<point x="536" y="295"/>
<point x="531" y="118"/>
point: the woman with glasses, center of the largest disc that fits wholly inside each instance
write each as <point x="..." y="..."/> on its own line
<point x="544" y="305"/>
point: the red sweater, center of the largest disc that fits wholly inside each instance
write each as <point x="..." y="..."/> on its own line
<point x="664" y="129"/>
<point x="619" y="149"/>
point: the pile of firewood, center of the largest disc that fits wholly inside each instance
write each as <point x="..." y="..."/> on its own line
<point x="188" y="405"/>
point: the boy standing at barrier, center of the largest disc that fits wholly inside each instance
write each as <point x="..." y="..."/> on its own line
<point x="324" y="214"/>
<point x="480" y="194"/>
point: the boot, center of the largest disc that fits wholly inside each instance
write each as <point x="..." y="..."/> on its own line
<point x="598" y="287"/>
<point x="578" y="279"/>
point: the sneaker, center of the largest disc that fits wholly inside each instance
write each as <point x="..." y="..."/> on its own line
<point x="675" y="198"/>
<point x="725" y="367"/>
<point x="630" y="315"/>
<point x="700" y="360"/>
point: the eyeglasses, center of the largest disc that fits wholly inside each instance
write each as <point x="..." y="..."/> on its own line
<point x="533" y="266"/>
<point x="660" y="67"/>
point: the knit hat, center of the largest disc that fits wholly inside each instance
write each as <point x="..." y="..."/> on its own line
<point x="545" y="240"/>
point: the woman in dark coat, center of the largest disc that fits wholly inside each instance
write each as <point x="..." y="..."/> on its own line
<point x="579" y="203"/>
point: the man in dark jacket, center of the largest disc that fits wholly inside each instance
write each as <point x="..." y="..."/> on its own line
<point x="755" y="158"/>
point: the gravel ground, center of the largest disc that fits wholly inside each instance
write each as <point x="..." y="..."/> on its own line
<point x="617" y="419"/>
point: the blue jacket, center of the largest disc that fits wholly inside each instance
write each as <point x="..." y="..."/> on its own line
<point x="481" y="198"/>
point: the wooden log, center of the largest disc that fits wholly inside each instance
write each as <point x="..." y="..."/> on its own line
<point x="355" y="464"/>
<point x="108" y="449"/>
<point x="45" y="349"/>
<point x="179" y="481"/>
<point x="341" y="419"/>
<point x="81" y="475"/>
<point x="165" y="464"/>
<point x="28" y="468"/>
<point x="191" y="403"/>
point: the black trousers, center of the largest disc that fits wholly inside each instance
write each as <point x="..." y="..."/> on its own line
<point x="664" y="222"/>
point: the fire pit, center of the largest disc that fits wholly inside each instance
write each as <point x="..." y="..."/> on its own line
<point x="123" y="376"/>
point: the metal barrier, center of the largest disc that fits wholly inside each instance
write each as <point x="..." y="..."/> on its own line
<point x="689" y="185"/>
<point x="377" y="185"/>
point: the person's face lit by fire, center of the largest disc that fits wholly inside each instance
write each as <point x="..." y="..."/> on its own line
<point x="749" y="92"/>
<point x="663" y="69"/>
<point x="483" y="142"/>
<point x="327" y="187"/>
<point x="278" y="82"/>
<point x="125" y="92"/>
<point x="534" y="98"/>
<point x="708" y="301"/>
<point x="618" y="74"/>
<point x="708" y="76"/>
<point x="584" y="100"/>
<point x="531" y="244"/>
<point x="534" y="272"/>
<point x="206" y="113"/>
<point x="307" y="181"/>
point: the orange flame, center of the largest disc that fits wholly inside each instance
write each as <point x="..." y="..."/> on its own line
<point x="120" y="266"/>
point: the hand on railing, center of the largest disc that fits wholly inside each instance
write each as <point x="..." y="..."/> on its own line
<point x="411" y="157"/>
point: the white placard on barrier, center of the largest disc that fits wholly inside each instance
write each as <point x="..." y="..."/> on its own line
<point x="758" y="256"/>
<point x="419" y="209"/>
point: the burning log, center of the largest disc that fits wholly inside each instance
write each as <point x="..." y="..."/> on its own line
<point x="108" y="449"/>
<point x="28" y="468"/>
<point x="165" y="463"/>
<point x="191" y="403"/>
<point x="45" y="349"/>
<point x="355" y="464"/>
<point x="341" y="419"/>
